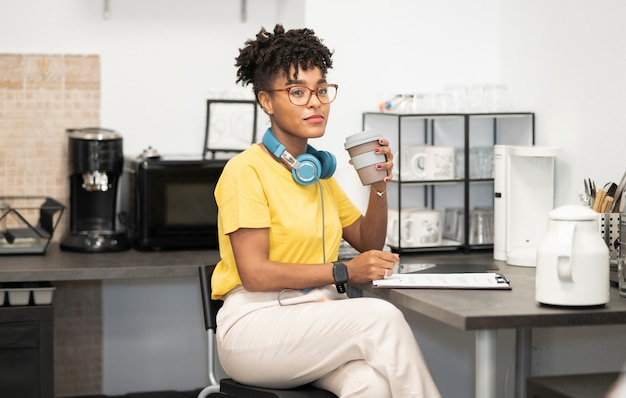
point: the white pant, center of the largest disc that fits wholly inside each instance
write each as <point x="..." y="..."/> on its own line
<point x="360" y="347"/>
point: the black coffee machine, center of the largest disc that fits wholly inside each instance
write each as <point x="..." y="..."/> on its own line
<point x="96" y="162"/>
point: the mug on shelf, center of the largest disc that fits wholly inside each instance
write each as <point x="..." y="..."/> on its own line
<point x="418" y="227"/>
<point x="435" y="163"/>
<point x="395" y="217"/>
<point x="408" y="162"/>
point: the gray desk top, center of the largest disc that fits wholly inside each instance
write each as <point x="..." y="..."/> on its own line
<point x="496" y="309"/>
<point x="463" y="309"/>
<point x="58" y="265"/>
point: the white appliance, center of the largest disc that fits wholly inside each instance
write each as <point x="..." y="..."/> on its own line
<point x="523" y="197"/>
<point x="572" y="260"/>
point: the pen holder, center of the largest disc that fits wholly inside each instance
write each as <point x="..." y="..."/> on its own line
<point x="610" y="231"/>
<point x="621" y="263"/>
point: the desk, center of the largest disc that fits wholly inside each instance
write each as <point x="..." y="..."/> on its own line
<point x="58" y="265"/>
<point x="480" y="311"/>
<point x="485" y="311"/>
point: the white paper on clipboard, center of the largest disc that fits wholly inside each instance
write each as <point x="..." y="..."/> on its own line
<point x="470" y="280"/>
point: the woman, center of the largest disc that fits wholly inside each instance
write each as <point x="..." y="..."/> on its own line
<point x="286" y="320"/>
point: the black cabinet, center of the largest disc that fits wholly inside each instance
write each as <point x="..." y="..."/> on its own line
<point x="26" y="351"/>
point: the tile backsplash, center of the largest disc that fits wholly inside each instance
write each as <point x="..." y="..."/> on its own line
<point x="40" y="97"/>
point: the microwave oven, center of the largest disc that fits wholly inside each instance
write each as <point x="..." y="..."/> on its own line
<point x="169" y="202"/>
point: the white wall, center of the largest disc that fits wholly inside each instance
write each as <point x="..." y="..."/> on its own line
<point x="160" y="60"/>
<point x="563" y="59"/>
<point x="401" y="46"/>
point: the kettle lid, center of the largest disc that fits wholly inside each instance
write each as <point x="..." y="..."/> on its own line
<point x="573" y="213"/>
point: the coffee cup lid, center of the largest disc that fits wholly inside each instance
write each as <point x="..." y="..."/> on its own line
<point x="361" y="138"/>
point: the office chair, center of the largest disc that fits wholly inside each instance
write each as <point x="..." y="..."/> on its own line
<point x="228" y="388"/>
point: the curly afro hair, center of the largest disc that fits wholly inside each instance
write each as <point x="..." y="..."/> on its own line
<point x="261" y="60"/>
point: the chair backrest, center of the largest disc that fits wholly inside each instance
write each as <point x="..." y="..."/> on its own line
<point x="209" y="306"/>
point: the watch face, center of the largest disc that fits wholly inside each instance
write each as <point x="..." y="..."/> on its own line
<point x="340" y="272"/>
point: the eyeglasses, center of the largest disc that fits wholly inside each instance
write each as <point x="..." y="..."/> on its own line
<point x="300" y="95"/>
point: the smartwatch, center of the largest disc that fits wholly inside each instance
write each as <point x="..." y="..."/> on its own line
<point x="340" y="274"/>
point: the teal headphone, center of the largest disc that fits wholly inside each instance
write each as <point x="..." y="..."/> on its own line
<point x="306" y="168"/>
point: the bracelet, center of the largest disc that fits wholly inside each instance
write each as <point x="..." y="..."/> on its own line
<point x="381" y="193"/>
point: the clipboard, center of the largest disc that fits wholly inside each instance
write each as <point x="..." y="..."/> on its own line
<point x="466" y="280"/>
<point x="437" y="268"/>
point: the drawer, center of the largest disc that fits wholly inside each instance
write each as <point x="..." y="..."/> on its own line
<point x="19" y="335"/>
<point x="20" y="373"/>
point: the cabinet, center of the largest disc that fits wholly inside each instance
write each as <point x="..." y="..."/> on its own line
<point x="467" y="192"/>
<point x="26" y="351"/>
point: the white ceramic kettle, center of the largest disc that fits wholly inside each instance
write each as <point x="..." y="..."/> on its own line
<point x="572" y="260"/>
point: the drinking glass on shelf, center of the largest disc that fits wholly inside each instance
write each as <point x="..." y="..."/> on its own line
<point x="453" y="223"/>
<point x="474" y="163"/>
<point x="481" y="162"/>
<point x="481" y="226"/>
<point x="459" y="97"/>
<point x="476" y="98"/>
<point x="485" y="161"/>
<point x="495" y="98"/>
<point x="444" y="103"/>
<point x="405" y="105"/>
<point x="459" y="162"/>
<point x="418" y="104"/>
<point x="430" y="102"/>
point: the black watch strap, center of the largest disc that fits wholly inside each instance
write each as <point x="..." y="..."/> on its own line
<point x="340" y="275"/>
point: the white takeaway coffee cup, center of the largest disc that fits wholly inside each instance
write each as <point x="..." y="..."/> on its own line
<point x="361" y="148"/>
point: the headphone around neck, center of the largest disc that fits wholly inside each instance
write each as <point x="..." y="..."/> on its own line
<point x="306" y="168"/>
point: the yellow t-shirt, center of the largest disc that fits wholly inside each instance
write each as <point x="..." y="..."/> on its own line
<point x="256" y="191"/>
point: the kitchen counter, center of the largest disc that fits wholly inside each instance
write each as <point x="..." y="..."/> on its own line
<point x="58" y="265"/>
